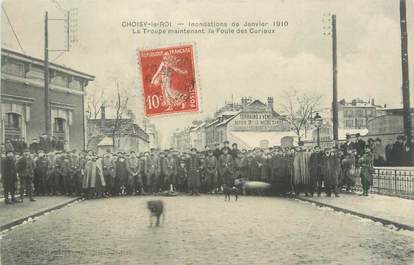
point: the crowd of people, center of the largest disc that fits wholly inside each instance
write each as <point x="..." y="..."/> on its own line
<point x="290" y="170"/>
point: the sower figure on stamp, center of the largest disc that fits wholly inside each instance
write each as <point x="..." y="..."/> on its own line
<point x="9" y="176"/>
<point x="167" y="69"/>
<point x="25" y="169"/>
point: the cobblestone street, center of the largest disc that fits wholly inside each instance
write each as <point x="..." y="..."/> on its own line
<point x="204" y="230"/>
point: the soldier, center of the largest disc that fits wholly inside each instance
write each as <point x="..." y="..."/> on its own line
<point x="182" y="175"/>
<point x="76" y="180"/>
<point x="211" y="171"/>
<point x="25" y="169"/>
<point x="194" y="181"/>
<point x="315" y="171"/>
<point x="234" y="151"/>
<point x="134" y="173"/>
<point x="162" y="181"/>
<point x="65" y="173"/>
<point x="202" y="173"/>
<point x="366" y="164"/>
<point x="9" y="176"/>
<point x="152" y="171"/>
<point x="51" y="188"/>
<point x="108" y="167"/>
<point x="170" y="172"/>
<point x="226" y="168"/>
<point x="41" y="170"/>
<point x="121" y="174"/>
<point x="241" y="167"/>
<point x="301" y="180"/>
<point x="348" y="170"/>
<point x="333" y="170"/>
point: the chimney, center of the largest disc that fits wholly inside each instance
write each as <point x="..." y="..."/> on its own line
<point x="372" y="102"/>
<point x="354" y="102"/>
<point x="102" y="116"/>
<point x="270" y="103"/>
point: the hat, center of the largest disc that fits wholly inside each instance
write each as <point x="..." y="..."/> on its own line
<point x="226" y="142"/>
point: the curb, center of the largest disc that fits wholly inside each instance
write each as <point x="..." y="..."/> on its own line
<point x="373" y="218"/>
<point x="36" y="214"/>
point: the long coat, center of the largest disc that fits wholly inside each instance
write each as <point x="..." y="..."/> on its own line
<point x="194" y="180"/>
<point x="169" y="166"/>
<point x="226" y="169"/>
<point x="301" y="168"/>
<point x="93" y="173"/>
<point x="8" y="173"/>
<point x="332" y="171"/>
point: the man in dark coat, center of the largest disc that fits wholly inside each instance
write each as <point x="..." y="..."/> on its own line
<point x="315" y="171"/>
<point x="211" y="171"/>
<point x="226" y="168"/>
<point x="9" y="176"/>
<point x="398" y="151"/>
<point x="194" y="180"/>
<point x="41" y="170"/>
<point x="25" y="169"/>
<point x="359" y="145"/>
<point x="153" y="171"/>
<point x="121" y="174"/>
<point x="169" y="166"/>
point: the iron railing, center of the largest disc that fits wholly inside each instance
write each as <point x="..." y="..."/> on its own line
<point x="396" y="181"/>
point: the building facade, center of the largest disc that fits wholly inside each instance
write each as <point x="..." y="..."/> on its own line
<point x="116" y="135"/>
<point x="250" y="124"/>
<point x="357" y="113"/>
<point x="23" y="100"/>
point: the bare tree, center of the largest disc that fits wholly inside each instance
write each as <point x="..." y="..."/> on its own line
<point x="299" y="108"/>
<point x="119" y="125"/>
<point x="94" y="102"/>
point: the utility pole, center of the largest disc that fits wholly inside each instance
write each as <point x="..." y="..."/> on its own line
<point x="71" y="37"/>
<point x="46" y="75"/>
<point x="405" y="76"/>
<point x="335" y="82"/>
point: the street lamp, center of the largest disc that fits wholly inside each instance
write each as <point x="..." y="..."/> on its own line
<point x="318" y="123"/>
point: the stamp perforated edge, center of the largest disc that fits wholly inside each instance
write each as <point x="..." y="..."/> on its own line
<point x="196" y="76"/>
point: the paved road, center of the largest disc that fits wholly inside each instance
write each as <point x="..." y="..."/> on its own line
<point x="204" y="230"/>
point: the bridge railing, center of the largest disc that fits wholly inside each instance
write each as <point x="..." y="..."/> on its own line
<point x="397" y="181"/>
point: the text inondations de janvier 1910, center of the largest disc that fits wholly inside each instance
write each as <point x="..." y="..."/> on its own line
<point x="150" y="27"/>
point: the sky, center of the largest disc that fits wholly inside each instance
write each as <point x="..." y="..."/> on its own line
<point x="298" y="57"/>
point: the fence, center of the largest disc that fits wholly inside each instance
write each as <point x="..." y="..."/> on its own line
<point x="392" y="181"/>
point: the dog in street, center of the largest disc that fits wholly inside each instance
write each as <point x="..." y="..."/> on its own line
<point x="156" y="208"/>
<point x="228" y="191"/>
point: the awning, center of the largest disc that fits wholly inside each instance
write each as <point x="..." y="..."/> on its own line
<point x="106" y="141"/>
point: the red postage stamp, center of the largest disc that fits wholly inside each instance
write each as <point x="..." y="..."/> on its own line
<point x="169" y="82"/>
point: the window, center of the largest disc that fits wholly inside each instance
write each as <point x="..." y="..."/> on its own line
<point x="359" y="113"/>
<point x="12" y="121"/>
<point x="349" y="124"/>
<point x="59" y="125"/>
<point x="349" y="113"/>
<point x="13" y="67"/>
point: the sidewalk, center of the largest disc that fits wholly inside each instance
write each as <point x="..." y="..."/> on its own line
<point x="385" y="209"/>
<point x="14" y="214"/>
